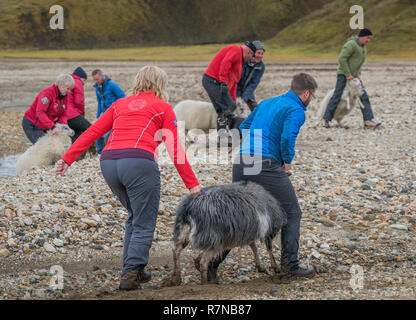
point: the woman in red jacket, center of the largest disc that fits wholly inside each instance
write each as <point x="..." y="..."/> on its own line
<point x="47" y="109"/>
<point x="75" y="113"/>
<point x="138" y="124"/>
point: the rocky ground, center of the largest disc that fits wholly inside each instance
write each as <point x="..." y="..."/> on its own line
<point x="356" y="188"/>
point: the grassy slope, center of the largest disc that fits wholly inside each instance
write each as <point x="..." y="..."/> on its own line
<point x="324" y="31"/>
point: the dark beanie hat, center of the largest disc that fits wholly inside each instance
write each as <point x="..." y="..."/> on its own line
<point x="365" y="32"/>
<point x="251" y="46"/>
<point x="80" y="73"/>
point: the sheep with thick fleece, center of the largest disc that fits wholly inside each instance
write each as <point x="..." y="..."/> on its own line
<point x="350" y="96"/>
<point x="202" y="115"/>
<point x="47" y="150"/>
<point x="222" y="217"/>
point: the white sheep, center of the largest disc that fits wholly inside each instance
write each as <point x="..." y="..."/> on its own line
<point x="47" y="150"/>
<point x="350" y="96"/>
<point x="202" y="115"/>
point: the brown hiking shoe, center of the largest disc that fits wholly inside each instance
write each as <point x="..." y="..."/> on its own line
<point x="129" y="281"/>
<point x="370" y="124"/>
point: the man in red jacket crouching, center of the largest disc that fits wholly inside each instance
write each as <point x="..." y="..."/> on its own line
<point x="221" y="78"/>
<point x="47" y="109"/>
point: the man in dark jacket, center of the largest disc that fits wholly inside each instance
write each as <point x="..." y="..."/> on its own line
<point x="107" y="92"/>
<point x="253" y="70"/>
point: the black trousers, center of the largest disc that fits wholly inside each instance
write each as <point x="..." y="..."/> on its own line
<point x="220" y="98"/>
<point x="79" y="124"/>
<point x="275" y="180"/>
<point x="33" y="133"/>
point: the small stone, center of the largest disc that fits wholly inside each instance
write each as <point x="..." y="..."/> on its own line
<point x="4" y="253"/>
<point x="49" y="248"/>
<point x="28" y="221"/>
<point x="90" y="222"/>
<point x="366" y="186"/>
<point x="324" y="246"/>
<point x="58" y="242"/>
<point x="399" y="226"/>
<point x="361" y="170"/>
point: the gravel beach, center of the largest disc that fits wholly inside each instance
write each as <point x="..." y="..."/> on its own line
<point x="356" y="188"/>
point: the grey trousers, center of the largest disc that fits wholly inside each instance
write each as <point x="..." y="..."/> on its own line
<point x="336" y="98"/>
<point x="136" y="183"/>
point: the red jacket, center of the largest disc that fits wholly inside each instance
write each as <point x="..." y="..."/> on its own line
<point x="135" y="122"/>
<point x="47" y="109"/>
<point x="227" y="66"/>
<point x="76" y="100"/>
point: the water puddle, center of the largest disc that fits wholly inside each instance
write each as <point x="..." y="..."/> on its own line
<point x="8" y="165"/>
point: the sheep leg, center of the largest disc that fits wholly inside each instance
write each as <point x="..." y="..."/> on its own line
<point x="205" y="260"/>
<point x="269" y="247"/>
<point x="341" y="125"/>
<point x="176" y="274"/>
<point x="259" y="266"/>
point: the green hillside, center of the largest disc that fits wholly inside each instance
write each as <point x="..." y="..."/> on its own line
<point x="393" y="23"/>
<point x="111" y="24"/>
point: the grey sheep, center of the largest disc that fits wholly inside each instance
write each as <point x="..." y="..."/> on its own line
<point x="223" y="217"/>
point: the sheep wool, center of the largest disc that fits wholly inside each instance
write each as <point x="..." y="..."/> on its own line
<point x="46" y="151"/>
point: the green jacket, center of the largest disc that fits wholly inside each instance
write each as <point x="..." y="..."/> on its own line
<point x="351" y="58"/>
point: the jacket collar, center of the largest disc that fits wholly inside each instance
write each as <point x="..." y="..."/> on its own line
<point x="291" y="95"/>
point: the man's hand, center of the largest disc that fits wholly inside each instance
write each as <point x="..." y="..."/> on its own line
<point x="61" y="167"/>
<point x="287" y="167"/>
<point x="350" y="77"/>
<point x="195" y="190"/>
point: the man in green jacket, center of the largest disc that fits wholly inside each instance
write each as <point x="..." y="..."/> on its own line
<point x="350" y="62"/>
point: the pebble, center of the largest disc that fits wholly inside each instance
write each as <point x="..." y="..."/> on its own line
<point x="399" y="227"/>
<point x="49" y="248"/>
<point x="58" y="242"/>
<point x="4" y="253"/>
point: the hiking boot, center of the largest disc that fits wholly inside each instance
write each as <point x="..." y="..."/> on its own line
<point x="371" y="124"/>
<point x="325" y="124"/>
<point x="299" y="272"/>
<point x="143" y="276"/>
<point x="129" y="281"/>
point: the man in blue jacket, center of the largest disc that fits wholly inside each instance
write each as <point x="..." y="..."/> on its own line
<point x="268" y="147"/>
<point x="107" y="92"/>
<point x="253" y="70"/>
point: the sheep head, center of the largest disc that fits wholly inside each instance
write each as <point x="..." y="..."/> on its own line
<point x="65" y="129"/>
<point x="355" y="87"/>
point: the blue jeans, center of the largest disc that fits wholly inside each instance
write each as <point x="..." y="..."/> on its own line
<point x="101" y="143"/>
<point x="336" y="98"/>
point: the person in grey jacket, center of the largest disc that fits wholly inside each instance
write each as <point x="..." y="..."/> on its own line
<point x="253" y="70"/>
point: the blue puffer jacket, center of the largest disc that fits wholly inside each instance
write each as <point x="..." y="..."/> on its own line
<point x="250" y="79"/>
<point x="271" y="129"/>
<point x="108" y="93"/>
